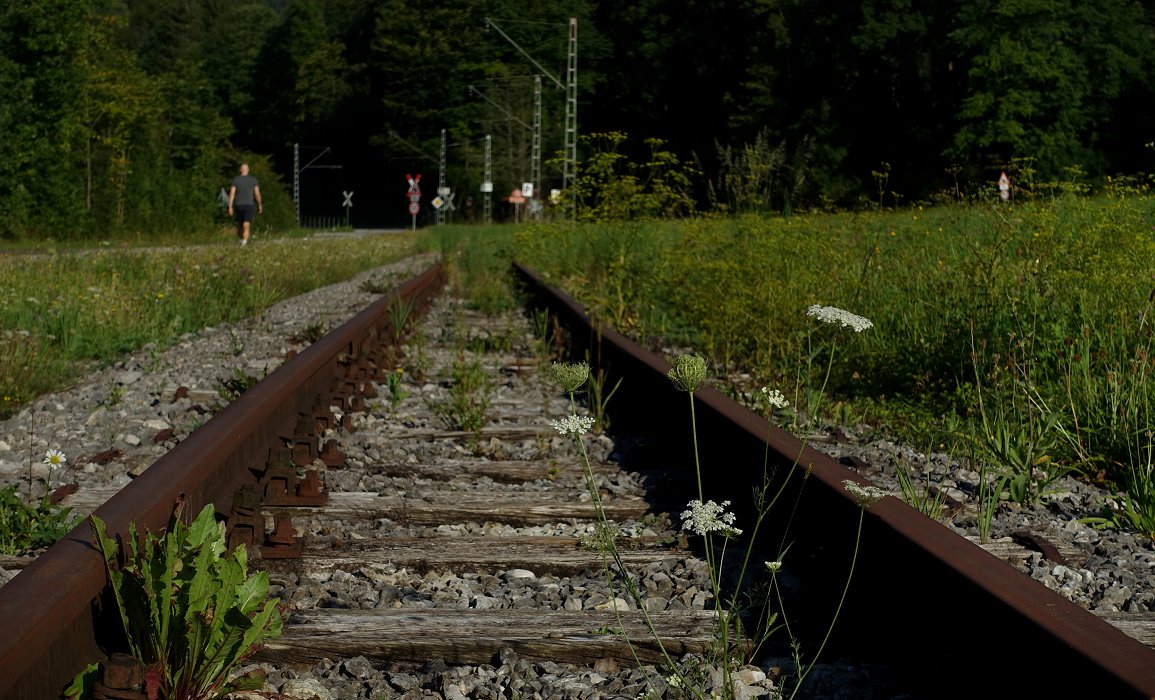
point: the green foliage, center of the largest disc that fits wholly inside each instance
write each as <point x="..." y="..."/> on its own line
<point x="399" y="311"/>
<point x="1044" y="306"/>
<point x="232" y="388"/>
<point x="758" y="177"/>
<point x="396" y="393"/>
<point x="466" y="407"/>
<point x="1043" y="76"/>
<point x="189" y="609"/>
<point x="1134" y="507"/>
<point x="61" y="310"/>
<point x="28" y="527"/>
<point x="610" y="186"/>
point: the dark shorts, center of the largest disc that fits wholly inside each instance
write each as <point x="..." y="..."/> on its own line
<point x="243" y="212"/>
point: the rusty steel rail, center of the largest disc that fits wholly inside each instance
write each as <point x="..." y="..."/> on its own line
<point x="926" y="603"/>
<point x="53" y="614"/>
<point x="922" y="601"/>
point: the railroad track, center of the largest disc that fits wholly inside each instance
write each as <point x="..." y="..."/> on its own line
<point x="419" y="542"/>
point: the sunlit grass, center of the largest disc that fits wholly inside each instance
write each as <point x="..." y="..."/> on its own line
<point x="1042" y="309"/>
<point x="61" y="309"/>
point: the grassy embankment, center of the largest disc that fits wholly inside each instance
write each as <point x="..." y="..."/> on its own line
<point x="63" y="307"/>
<point x="1019" y="334"/>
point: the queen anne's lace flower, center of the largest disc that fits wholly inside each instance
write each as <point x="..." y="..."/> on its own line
<point x="55" y="458"/>
<point x="688" y="372"/>
<point x="773" y="566"/>
<point x="833" y="314"/>
<point x="570" y="375"/>
<point x="774" y="398"/>
<point x="573" y="425"/>
<point x="704" y="518"/>
<point x="865" y="495"/>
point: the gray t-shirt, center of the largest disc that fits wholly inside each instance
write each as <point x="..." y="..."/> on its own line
<point x="245" y="185"/>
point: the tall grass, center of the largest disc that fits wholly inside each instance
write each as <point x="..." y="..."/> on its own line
<point x="60" y="311"/>
<point x="1043" y="307"/>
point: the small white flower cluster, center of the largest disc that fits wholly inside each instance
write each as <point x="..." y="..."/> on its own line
<point x="54" y="457"/>
<point x="773" y="566"/>
<point x="865" y="495"/>
<point x="704" y="518"/>
<point x="833" y="314"/>
<point x="573" y="425"/>
<point x="774" y="398"/>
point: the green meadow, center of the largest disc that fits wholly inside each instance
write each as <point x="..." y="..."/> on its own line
<point x="1016" y="334"/>
<point x="66" y="309"/>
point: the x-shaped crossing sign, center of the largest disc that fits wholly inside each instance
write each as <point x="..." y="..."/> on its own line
<point x="348" y="199"/>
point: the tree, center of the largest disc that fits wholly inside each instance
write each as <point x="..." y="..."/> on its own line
<point x="43" y="40"/>
<point x="1044" y="76"/>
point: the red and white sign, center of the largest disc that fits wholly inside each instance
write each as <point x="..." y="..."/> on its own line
<point x="516" y="197"/>
<point x="414" y="207"/>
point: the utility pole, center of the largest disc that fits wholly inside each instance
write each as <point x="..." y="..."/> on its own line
<point x="487" y="183"/>
<point x="569" y="176"/>
<point x="441" y="190"/>
<point x="297" y="170"/>
<point x="569" y="169"/>
<point x="535" y="155"/>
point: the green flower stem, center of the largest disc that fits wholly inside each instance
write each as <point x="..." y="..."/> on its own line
<point x="613" y="552"/>
<point x="837" y="611"/>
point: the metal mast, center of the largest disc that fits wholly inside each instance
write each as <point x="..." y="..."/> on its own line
<point x="535" y="175"/>
<point x="488" y="180"/>
<point x="297" y="181"/>
<point x="569" y="175"/>
<point x="440" y="216"/>
<point x="569" y="169"/>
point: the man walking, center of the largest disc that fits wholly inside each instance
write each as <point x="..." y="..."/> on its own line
<point x="243" y="194"/>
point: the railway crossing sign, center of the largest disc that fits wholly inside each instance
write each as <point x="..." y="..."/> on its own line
<point x="348" y="199"/>
<point x="444" y="203"/>
<point x="414" y="196"/>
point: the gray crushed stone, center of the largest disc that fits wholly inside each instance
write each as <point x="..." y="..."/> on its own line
<point x="117" y="421"/>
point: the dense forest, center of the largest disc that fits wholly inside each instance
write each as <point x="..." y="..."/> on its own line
<point x="131" y="115"/>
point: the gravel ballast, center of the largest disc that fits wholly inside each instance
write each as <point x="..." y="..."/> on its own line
<point x="117" y="421"/>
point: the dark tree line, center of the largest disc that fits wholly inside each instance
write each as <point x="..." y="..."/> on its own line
<point x="131" y="114"/>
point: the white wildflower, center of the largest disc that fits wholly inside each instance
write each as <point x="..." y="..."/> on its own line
<point x="865" y="495"/>
<point x="55" y="457"/>
<point x="573" y="425"/>
<point x="833" y="314"/>
<point x="704" y="518"/>
<point x="774" y="398"/>
<point x="773" y="566"/>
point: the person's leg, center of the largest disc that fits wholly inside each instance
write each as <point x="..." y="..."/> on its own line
<point x="244" y="221"/>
